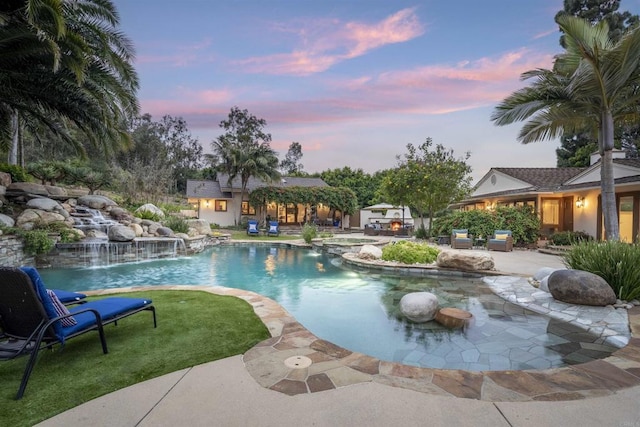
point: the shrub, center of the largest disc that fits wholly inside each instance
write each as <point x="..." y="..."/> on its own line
<point x="616" y="262"/>
<point x="68" y="235"/>
<point x="309" y="232"/>
<point x="177" y="224"/>
<point x="326" y="234"/>
<point x="37" y="242"/>
<point x="214" y="226"/>
<point x="565" y="238"/>
<point x="408" y="252"/>
<point x="421" y="232"/>
<point x="144" y="214"/>
<point x="521" y="220"/>
<point x="18" y="173"/>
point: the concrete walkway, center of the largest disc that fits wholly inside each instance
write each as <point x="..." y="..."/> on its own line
<point x="224" y="393"/>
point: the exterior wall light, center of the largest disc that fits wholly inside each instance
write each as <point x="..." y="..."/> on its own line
<point x="580" y="202"/>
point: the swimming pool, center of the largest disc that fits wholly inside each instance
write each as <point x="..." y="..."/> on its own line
<point x="359" y="310"/>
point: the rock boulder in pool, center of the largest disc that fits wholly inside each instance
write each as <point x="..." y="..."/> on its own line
<point x="580" y="287"/>
<point x="419" y="306"/>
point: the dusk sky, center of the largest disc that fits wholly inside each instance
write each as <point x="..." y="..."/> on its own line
<point x="352" y="81"/>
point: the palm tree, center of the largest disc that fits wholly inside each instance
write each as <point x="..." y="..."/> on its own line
<point x="592" y="86"/>
<point x="64" y="62"/>
<point x="244" y="151"/>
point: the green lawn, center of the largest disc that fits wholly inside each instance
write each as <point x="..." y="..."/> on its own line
<point x="242" y="235"/>
<point x="193" y="327"/>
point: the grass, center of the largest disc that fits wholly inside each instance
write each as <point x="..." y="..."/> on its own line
<point x="242" y="235"/>
<point x="194" y="327"/>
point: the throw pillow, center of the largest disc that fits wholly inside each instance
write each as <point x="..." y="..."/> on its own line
<point x="501" y="236"/>
<point x="461" y="235"/>
<point x="61" y="310"/>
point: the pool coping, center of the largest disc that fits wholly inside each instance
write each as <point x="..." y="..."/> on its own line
<point x="334" y="367"/>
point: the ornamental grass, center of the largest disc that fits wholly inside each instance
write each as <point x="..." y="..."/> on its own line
<point x="616" y="262"/>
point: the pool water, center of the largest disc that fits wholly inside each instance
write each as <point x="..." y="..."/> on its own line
<point x="359" y="310"/>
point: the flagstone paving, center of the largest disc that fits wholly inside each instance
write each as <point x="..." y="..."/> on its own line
<point x="330" y="366"/>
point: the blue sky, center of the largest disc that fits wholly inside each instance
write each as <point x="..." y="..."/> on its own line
<point x="352" y="81"/>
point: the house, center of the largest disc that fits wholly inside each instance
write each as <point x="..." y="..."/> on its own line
<point x="567" y="199"/>
<point x="219" y="202"/>
<point x="386" y="215"/>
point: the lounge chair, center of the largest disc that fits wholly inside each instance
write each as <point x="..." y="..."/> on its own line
<point x="274" y="229"/>
<point x="32" y="318"/>
<point x="68" y="298"/>
<point x="461" y="239"/>
<point x="252" y="228"/>
<point x="502" y="240"/>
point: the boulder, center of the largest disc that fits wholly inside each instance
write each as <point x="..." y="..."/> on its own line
<point x="5" y="179"/>
<point x="370" y="252"/>
<point x="44" y="204"/>
<point x="96" y="201"/>
<point x="121" y="233"/>
<point x="543" y="272"/>
<point x="465" y="260"/>
<point x="119" y="214"/>
<point x="164" y="232"/>
<point x="28" y="187"/>
<point x="149" y="207"/>
<point x="152" y="228"/>
<point x="3" y="190"/>
<point x="56" y="191"/>
<point x="202" y="226"/>
<point x="419" y="306"/>
<point x="97" y="234"/>
<point x="580" y="287"/>
<point x="137" y="229"/>
<point x="30" y="217"/>
<point x="544" y="284"/>
<point x="182" y="236"/>
<point x="6" y="220"/>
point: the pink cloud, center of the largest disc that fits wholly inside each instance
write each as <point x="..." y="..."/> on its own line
<point x="427" y="90"/>
<point x="322" y="44"/>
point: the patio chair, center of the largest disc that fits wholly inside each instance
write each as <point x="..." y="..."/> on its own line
<point x="502" y="240"/>
<point x="69" y="298"/>
<point x="31" y="318"/>
<point x="274" y="228"/>
<point x="252" y="228"/>
<point x="461" y="239"/>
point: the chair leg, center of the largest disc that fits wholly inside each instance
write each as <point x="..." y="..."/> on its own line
<point x="27" y="371"/>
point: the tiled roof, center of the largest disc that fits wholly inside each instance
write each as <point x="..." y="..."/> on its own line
<point x="542" y="178"/>
<point x="206" y="190"/>
<point x="286" y="181"/>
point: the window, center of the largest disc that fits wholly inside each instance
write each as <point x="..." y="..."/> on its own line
<point x="551" y="211"/>
<point x="247" y="209"/>
<point x="221" y="205"/>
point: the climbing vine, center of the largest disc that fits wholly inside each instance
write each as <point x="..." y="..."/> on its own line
<point x="340" y="198"/>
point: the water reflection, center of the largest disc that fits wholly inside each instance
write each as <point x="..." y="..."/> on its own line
<point x="358" y="310"/>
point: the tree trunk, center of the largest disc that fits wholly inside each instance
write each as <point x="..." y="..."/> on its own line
<point x="243" y="187"/>
<point x="607" y="183"/>
<point x="15" y="139"/>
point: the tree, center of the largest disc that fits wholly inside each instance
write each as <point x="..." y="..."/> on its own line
<point x="576" y="148"/>
<point x="361" y="183"/>
<point x="428" y="180"/>
<point x="183" y="151"/>
<point x="65" y="63"/>
<point x="164" y="154"/>
<point x="244" y="151"/>
<point x="291" y="164"/>
<point x="592" y="86"/>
